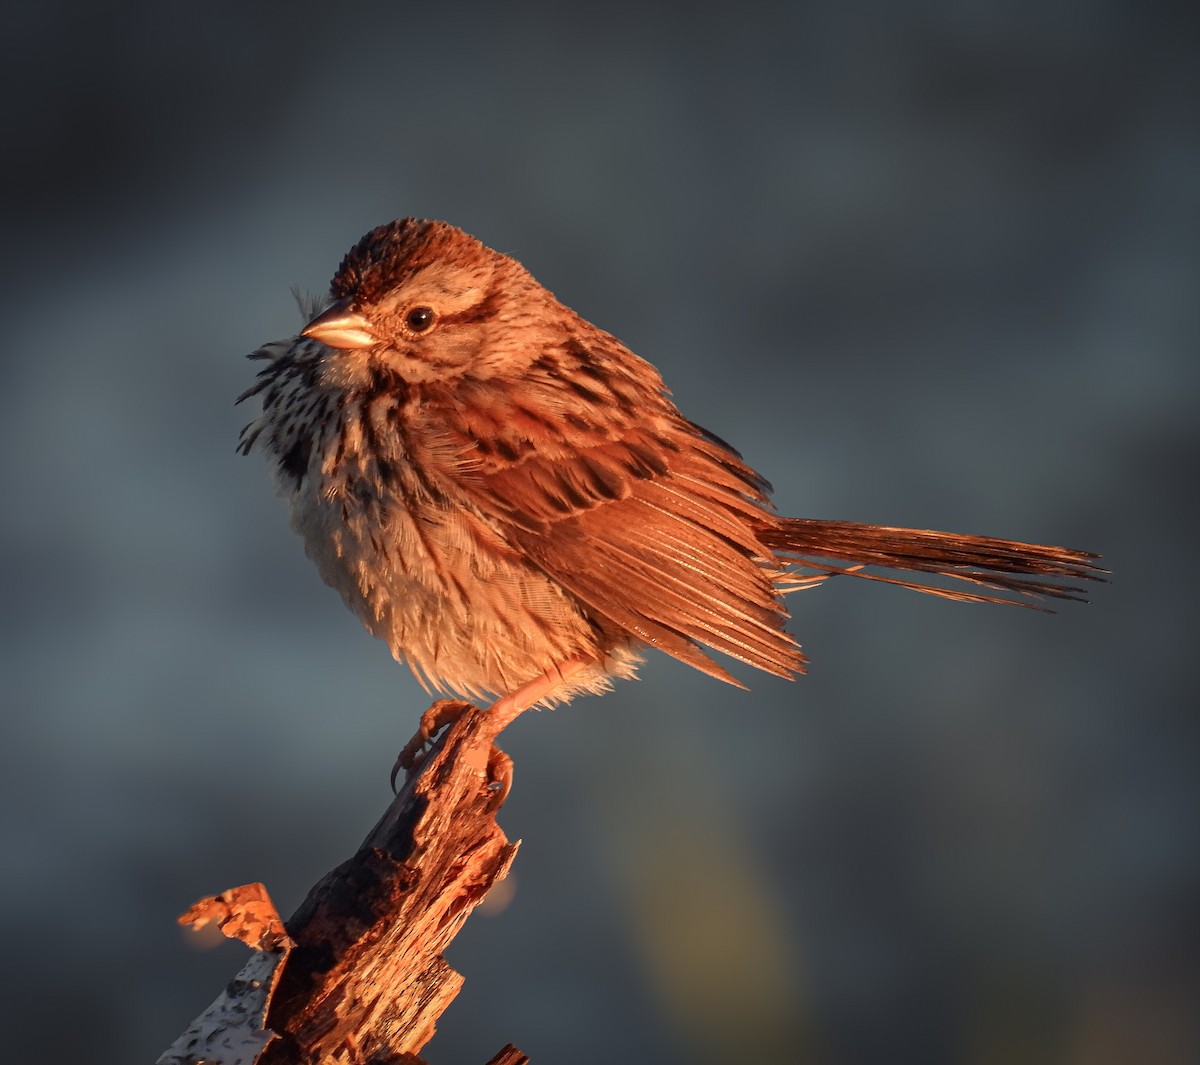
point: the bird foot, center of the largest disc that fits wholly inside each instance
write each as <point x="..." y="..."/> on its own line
<point x="442" y="713"/>
<point x="500" y="778"/>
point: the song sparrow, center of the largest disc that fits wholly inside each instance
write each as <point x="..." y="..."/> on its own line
<point x="507" y="496"/>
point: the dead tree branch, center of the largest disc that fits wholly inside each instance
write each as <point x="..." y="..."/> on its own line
<point x="360" y="978"/>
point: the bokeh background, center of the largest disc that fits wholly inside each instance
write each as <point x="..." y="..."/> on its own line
<point x="930" y="264"/>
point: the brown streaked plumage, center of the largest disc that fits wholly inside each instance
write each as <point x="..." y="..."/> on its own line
<point x="506" y="495"/>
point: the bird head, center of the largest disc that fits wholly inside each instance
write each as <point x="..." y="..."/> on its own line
<point x="426" y="301"/>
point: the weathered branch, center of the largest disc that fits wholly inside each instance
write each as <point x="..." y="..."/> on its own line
<point x="360" y="979"/>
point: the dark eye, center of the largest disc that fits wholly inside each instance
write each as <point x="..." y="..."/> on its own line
<point x="420" y="319"/>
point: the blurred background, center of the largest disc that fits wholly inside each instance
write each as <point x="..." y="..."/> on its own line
<point x="930" y="264"/>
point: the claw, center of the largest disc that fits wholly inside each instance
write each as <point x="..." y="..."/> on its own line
<point x="442" y="713"/>
<point x="500" y="773"/>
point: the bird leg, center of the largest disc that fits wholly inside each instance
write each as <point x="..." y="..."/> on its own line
<point x="503" y="712"/>
<point x="508" y="708"/>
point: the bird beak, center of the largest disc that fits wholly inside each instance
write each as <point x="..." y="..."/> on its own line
<point x="340" y="326"/>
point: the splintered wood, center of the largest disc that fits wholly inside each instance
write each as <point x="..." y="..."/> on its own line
<point x="359" y="976"/>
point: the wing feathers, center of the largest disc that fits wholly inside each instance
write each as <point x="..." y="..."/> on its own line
<point x="661" y="531"/>
<point x="706" y="612"/>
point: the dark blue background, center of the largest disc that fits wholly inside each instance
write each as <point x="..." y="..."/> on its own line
<point x="929" y="264"/>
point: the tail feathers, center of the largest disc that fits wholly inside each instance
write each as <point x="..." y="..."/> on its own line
<point x="1026" y="571"/>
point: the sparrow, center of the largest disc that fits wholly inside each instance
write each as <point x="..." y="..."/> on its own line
<point x="508" y="497"/>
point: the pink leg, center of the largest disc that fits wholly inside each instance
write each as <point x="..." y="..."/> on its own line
<point x="508" y="708"/>
<point x="503" y="712"/>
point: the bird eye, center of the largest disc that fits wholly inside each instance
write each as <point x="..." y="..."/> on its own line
<point x="420" y="319"/>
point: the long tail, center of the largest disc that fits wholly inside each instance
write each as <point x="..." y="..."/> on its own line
<point x="1026" y="571"/>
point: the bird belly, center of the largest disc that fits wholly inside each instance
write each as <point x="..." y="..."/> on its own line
<point x="467" y="613"/>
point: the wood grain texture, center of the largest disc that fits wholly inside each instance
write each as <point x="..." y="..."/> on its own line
<point x="366" y="982"/>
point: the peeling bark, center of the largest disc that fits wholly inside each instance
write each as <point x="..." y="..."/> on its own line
<point x="360" y="978"/>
